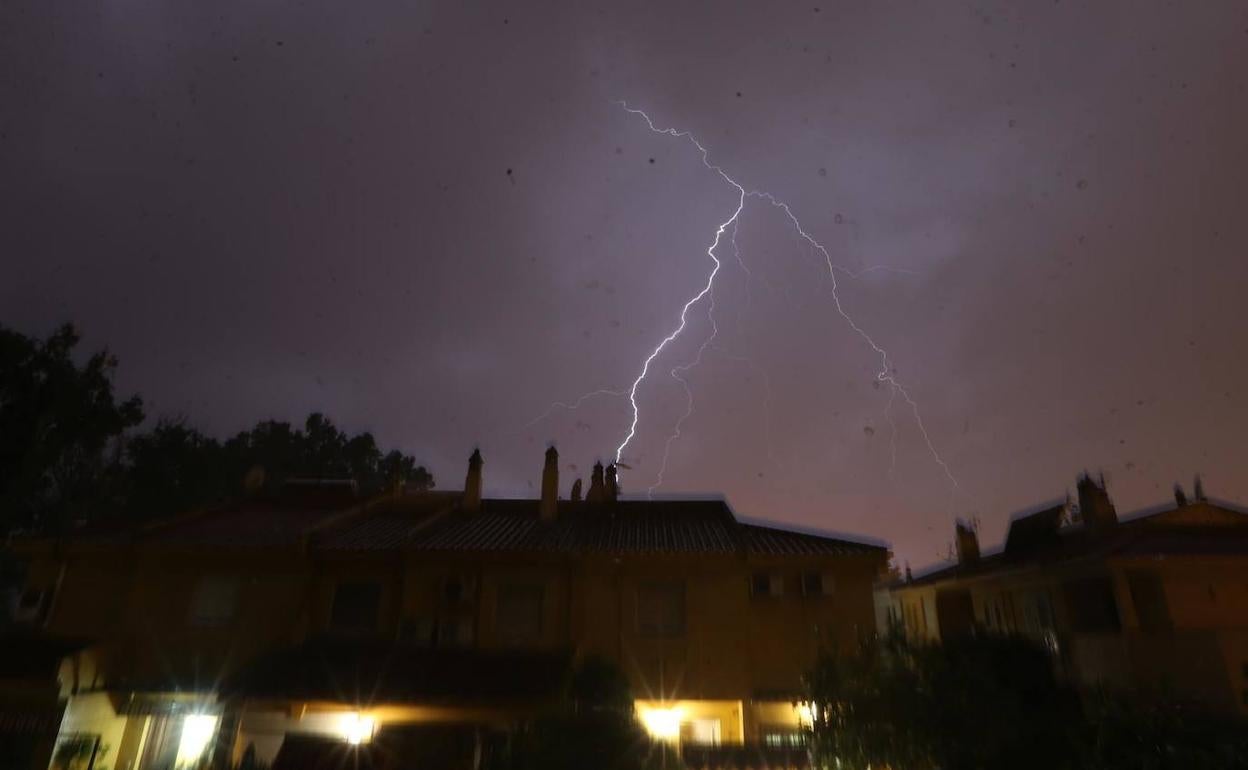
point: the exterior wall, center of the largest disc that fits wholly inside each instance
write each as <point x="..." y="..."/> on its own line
<point x="1191" y="641"/>
<point x="93" y="715"/>
<point x="736" y="659"/>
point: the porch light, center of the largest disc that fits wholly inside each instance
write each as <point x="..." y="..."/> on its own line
<point x="662" y="723"/>
<point x="357" y="728"/>
<point x="197" y="732"/>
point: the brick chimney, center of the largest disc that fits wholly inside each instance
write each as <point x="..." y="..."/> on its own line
<point x="472" y="484"/>
<point x="596" y="490"/>
<point x="613" y="483"/>
<point x="967" y="542"/>
<point x="548" y="508"/>
<point x="1095" y="506"/>
<point x="1198" y="490"/>
<point x="576" y="491"/>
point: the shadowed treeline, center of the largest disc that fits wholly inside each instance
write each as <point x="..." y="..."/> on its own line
<point x="71" y="450"/>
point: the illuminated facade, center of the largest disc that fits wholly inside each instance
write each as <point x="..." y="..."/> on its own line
<point x="429" y="620"/>
<point x="1155" y="601"/>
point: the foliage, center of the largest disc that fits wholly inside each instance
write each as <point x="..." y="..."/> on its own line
<point x="982" y="702"/>
<point x="70" y="451"/>
<point x="57" y="419"/>
<point x="989" y="702"/>
<point x="595" y="727"/>
<point x="74" y="752"/>
<point x="1145" y="731"/>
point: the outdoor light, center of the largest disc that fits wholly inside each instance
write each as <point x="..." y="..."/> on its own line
<point x="663" y="724"/>
<point x="197" y="732"/>
<point x="356" y="728"/>
<point x="805" y="714"/>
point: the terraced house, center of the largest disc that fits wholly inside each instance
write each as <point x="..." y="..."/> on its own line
<point x="1156" y="601"/>
<point x="433" y="621"/>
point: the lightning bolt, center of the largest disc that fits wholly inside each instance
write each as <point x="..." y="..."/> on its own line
<point x="885" y="375"/>
<point x="696" y="298"/>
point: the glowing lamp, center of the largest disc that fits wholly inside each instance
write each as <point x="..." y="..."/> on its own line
<point x="357" y="728"/>
<point x="805" y="714"/>
<point x="197" y="732"/>
<point x="663" y="724"/>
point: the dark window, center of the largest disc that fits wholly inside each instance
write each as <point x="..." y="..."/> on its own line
<point x="661" y="609"/>
<point x="357" y="606"/>
<point x="458" y="588"/>
<point x="518" y="613"/>
<point x="418" y="631"/>
<point x="1092" y="606"/>
<point x="816" y="584"/>
<point x="456" y="631"/>
<point x="766" y="584"/>
<point x="1149" y="597"/>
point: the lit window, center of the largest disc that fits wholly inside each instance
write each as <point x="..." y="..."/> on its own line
<point x="214" y="601"/>
<point x="661" y="609"/>
<point x="356" y="607"/>
<point x="518" y="613"/>
<point x="700" y="732"/>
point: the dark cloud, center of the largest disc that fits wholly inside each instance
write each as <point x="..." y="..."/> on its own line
<point x="433" y="222"/>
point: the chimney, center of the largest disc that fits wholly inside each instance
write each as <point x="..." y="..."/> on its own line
<point x="1095" y="506"/>
<point x="1198" y="490"/>
<point x="967" y="541"/>
<point x="576" y="491"/>
<point x="472" y="484"/>
<point x="548" y="508"/>
<point x="613" y="483"/>
<point x="596" y="491"/>
<point x="1180" y="497"/>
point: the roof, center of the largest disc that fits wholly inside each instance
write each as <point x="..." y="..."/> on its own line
<point x="329" y="519"/>
<point x="623" y="526"/>
<point x="377" y="672"/>
<point x="1203" y="528"/>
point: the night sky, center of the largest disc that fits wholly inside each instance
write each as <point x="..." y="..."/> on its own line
<point x="431" y="221"/>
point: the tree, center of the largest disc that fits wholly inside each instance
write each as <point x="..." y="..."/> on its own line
<point x="58" y="419"/>
<point x="1151" y="731"/>
<point x="68" y="450"/>
<point x="982" y="702"/>
<point x="595" y="727"/>
<point x="173" y="468"/>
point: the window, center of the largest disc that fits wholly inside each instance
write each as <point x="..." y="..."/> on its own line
<point x="458" y="588"/>
<point x="213" y="602"/>
<point x="817" y="584"/>
<point x="518" y="612"/>
<point x="779" y="737"/>
<point x="1092" y="606"/>
<point x="661" y="609"/>
<point x="457" y="631"/>
<point x="356" y="607"/>
<point x="764" y="584"/>
<point x="701" y="732"/>
<point x="418" y="631"/>
<point x="1149" y="597"/>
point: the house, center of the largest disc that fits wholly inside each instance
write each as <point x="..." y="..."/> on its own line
<point x="433" y="621"/>
<point x="1157" y="600"/>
